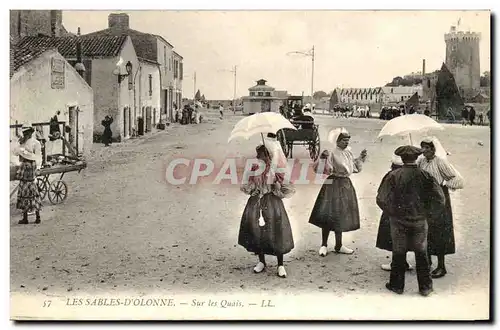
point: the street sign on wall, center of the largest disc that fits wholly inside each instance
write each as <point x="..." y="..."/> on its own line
<point x="57" y="73"/>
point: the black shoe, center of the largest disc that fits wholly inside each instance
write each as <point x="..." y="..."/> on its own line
<point x="426" y="292"/>
<point x="390" y="288"/>
<point x="438" y="272"/>
<point x="38" y="220"/>
<point x="23" y="222"/>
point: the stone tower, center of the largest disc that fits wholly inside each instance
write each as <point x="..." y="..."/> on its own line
<point x="462" y="59"/>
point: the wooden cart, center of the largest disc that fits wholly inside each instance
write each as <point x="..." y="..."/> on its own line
<point x="56" y="190"/>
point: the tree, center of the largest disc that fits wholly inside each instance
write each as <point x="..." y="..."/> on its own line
<point x="334" y="100"/>
<point x="447" y="94"/>
<point x="319" y="94"/>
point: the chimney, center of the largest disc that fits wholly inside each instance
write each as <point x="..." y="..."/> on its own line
<point x="423" y="67"/>
<point x="118" y="21"/>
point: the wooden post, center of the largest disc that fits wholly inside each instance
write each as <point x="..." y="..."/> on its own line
<point x="64" y="137"/>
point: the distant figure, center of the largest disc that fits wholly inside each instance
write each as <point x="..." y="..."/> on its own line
<point x="107" y="135"/>
<point x="427" y="113"/>
<point x="465" y="116"/>
<point x="488" y="114"/>
<point x="481" y="119"/>
<point x="472" y="116"/>
<point x="176" y="112"/>
<point x="221" y="111"/>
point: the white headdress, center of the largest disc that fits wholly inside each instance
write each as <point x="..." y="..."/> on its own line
<point x="396" y="160"/>
<point x="440" y="151"/>
<point x="334" y="134"/>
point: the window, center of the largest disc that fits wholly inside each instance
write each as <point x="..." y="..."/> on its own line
<point x="170" y="64"/>
<point x="181" y="69"/>
<point x="392" y="90"/>
<point x="252" y="93"/>
<point x="428" y="83"/>
<point x="402" y="98"/>
<point x="176" y="69"/>
<point x="260" y="93"/>
<point x="371" y="97"/>
<point x="268" y="93"/>
<point x="150" y="85"/>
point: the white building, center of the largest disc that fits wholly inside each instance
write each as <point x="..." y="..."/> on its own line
<point x="400" y="93"/>
<point x="261" y="99"/>
<point x="42" y="82"/>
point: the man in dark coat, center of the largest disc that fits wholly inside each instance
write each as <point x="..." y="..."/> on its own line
<point x="409" y="196"/>
<point x="472" y="116"/>
<point x="465" y="116"/>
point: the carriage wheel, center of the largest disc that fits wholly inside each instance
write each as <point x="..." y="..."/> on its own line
<point x="315" y="147"/>
<point x="42" y="187"/>
<point x="58" y="191"/>
<point x="282" y="140"/>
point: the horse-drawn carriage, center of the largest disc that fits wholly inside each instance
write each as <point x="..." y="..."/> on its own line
<point x="307" y="133"/>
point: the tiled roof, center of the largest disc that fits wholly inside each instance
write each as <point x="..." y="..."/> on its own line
<point x="21" y="56"/>
<point x="145" y="44"/>
<point x="66" y="46"/>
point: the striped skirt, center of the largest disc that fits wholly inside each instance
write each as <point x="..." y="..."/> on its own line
<point x="28" y="196"/>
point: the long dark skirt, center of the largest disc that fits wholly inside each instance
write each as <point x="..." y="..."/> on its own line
<point x="384" y="239"/>
<point x="275" y="237"/>
<point x="28" y="196"/>
<point x="107" y="135"/>
<point x="441" y="239"/>
<point x="336" y="207"/>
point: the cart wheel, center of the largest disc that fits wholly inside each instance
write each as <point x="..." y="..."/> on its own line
<point x="58" y="191"/>
<point x="282" y="140"/>
<point x="315" y="147"/>
<point x="42" y="188"/>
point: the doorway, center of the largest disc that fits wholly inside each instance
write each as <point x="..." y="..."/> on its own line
<point x="73" y="126"/>
<point x="148" y="119"/>
<point x="126" y="122"/>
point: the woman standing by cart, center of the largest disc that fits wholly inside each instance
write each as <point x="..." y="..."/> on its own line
<point x="336" y="208"/>
<point x="30" y="158"/>
<point x="265" y="228"/>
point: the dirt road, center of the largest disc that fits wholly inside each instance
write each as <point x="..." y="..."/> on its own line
<point x="123" y="228"/>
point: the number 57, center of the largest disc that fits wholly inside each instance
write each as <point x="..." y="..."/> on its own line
<point x="47" y="303"/>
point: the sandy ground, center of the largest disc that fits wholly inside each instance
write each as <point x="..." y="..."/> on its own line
<point x="124" y="229"/>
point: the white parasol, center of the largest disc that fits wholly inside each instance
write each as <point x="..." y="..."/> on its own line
<point x="408" y="124"/>
<point x="264" y="122"/>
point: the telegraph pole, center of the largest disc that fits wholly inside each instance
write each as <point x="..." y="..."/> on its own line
<point x="312" y="54"/>
<point x="194" y="88"/>
<point x="234" y="95"/>
<point x="312" y="78"/>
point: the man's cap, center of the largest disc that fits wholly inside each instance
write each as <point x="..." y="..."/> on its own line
<point x="408" y="151"/>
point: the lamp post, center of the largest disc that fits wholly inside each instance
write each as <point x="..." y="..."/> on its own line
<point x="310" y="53"/>
<point x="120" y="77"/>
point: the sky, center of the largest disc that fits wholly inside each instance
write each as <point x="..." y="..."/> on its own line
<point x="352" y="48"/>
